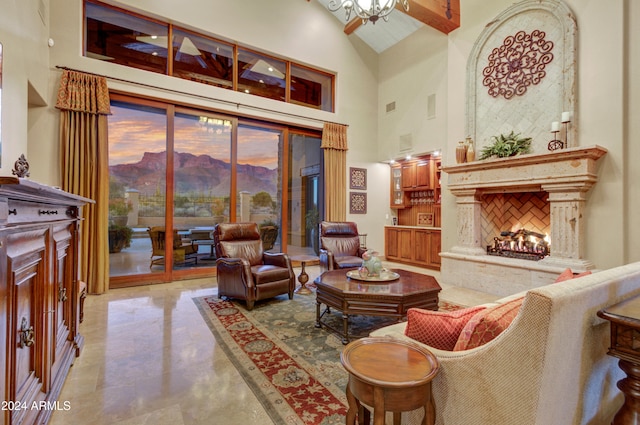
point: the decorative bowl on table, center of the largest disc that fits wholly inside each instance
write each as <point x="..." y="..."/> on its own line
<point x="384" y="276"/>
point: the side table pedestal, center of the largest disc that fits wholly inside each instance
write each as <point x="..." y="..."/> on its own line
<point x="303" y="278"/>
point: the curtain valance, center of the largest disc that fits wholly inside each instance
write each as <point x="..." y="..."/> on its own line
<point x="334" y="136"/>
<point x="82" y="92"/>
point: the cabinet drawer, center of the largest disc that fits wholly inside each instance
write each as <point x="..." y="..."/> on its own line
<point x="32" y="212"/>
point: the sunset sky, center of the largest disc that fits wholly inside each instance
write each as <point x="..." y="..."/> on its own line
<point x="135" y="131"/>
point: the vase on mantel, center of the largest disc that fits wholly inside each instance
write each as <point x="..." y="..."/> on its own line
<point x="461" y="152"/>
<point x="471" y="153"/>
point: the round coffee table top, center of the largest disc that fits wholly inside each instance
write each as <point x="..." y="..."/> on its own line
<point x="389" y="362"/>
<point x="303" y="258"/>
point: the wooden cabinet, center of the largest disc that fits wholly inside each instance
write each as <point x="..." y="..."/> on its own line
<point x="415" y="182"/>
<point x="40" y="296"/>
<point x="397" y="192"/>
<point x="414" y="246"/>
<point x="423" y="175"/>
<point x="416" y="175"/>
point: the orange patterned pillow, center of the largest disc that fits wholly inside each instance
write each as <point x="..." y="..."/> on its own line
<point x="438" y="329"/>
<point x="487" y="324"/>
<point x="568" y="275"/>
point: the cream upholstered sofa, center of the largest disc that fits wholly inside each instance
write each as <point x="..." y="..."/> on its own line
<point x="548" y="367"/>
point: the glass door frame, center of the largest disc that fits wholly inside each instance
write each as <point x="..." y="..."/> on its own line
<point x="171" y="108"/>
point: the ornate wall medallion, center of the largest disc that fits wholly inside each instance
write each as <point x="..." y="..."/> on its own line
<point x="517" y="64"/>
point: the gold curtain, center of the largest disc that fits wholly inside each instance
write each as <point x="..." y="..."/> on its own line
<point x="83" y="100"/>
<point x="334" y="143"/>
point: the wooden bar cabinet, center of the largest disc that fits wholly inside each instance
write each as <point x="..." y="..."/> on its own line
<point x="39" y="297"/>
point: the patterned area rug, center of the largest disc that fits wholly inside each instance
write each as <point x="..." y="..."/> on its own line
<point x="292" y="367"/>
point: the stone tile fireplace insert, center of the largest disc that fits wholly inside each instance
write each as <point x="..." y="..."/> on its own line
<point x="565" y="175"/>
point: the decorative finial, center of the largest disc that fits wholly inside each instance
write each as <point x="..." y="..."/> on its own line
<point x="21" y="167"/>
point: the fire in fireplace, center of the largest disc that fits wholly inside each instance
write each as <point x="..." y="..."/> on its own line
<point x="523" y="244"/>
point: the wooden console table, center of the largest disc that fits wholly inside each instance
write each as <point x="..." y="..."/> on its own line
<point x="625" y="334"/>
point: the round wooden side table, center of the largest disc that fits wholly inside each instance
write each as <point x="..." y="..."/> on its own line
<point x="390" y="375"/>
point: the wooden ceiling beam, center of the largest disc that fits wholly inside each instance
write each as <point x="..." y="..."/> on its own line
<point x="434" y="13"/>
<point x="353" y="25"/>
<point x="430" y="12"/>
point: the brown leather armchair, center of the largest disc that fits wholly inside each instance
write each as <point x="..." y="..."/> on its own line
<point x="245" y="271"/>
<point x="339" y="245"/>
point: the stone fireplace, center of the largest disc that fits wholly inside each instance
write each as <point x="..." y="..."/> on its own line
<point x="556" y="183"/>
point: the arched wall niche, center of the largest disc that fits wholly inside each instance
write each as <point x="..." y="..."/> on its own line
<point x="543" y="101"/>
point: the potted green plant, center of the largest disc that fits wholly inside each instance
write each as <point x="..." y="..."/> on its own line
<point x="312" y="219"/>
<point x="119" y="209"/>
<point x="506" y="145"/>
<point x="119" y="237"/>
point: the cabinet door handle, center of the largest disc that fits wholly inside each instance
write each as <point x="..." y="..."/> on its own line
<point x="26" y="334"/>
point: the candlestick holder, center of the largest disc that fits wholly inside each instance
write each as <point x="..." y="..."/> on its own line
<point x="555" y="144"/>
<point x="565" y="124"/>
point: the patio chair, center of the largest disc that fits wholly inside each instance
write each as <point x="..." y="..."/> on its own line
<point x="182" y="252"/>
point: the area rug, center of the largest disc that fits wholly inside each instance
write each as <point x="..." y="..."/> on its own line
<point x="292" y="367"/>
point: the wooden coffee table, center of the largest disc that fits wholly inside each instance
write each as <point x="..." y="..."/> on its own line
<point x="356" y="297"/>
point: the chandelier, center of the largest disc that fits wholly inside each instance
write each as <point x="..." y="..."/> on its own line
<point x="367" y="10"/>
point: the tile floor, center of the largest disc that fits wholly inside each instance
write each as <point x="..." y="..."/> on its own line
<point x="149" y="358"/>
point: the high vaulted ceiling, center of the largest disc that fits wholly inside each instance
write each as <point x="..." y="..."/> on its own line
<point x="443" y="15"/>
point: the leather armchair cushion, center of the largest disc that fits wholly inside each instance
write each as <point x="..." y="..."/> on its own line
<point x="251" y="250"/>
<point x="338" y="228"/>
<point x="236" y="231"/>
<point x="342" y="245"/>
<point x="264" y="273"/>
<point x="347" y="261"/>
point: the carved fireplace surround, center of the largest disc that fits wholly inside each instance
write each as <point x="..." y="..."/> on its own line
<point x="566" y="175"/>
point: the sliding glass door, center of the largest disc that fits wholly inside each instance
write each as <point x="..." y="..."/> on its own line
<point x="137" y="187"/>
<point x="201" y="181"/>
<point x="259" y="176"/>
<point x="305" y="193"/>
<point x="176" y="172"/>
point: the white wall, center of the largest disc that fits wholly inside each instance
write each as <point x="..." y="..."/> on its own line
<point x="24" y="75"/>
<point x="632" y="131"/>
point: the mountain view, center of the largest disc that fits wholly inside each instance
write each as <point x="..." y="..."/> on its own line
<point x="199" y="174"/>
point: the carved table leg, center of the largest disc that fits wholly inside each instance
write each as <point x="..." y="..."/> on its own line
<point x="629" y="413"/>
<point x="345" y="328"/>
<point x="353" y="407"/>
<point x="303" y="279"/>
<point x="318" y="324"/>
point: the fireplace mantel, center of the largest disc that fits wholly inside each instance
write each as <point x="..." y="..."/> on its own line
<point x="528" y="173"/>
<point x="566" y="175"/>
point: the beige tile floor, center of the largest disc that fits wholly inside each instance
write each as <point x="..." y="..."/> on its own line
<point x="150" y="359"/>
